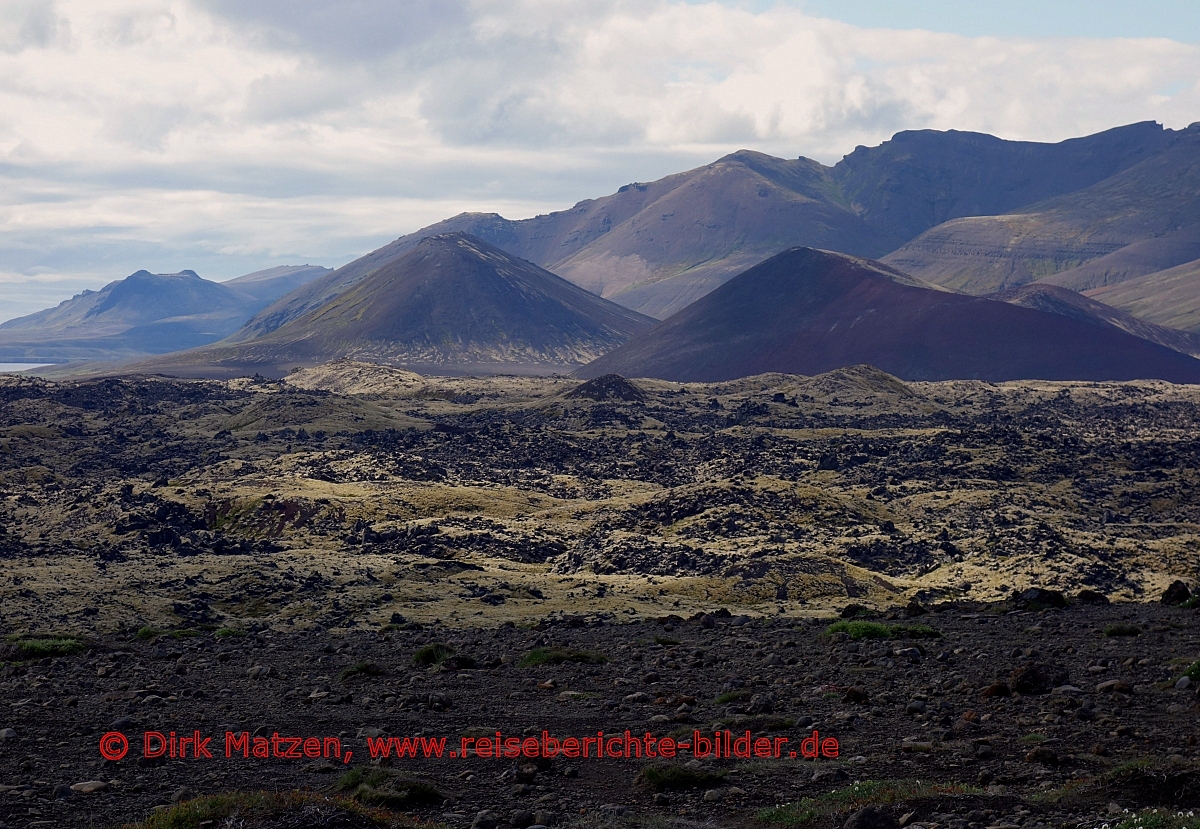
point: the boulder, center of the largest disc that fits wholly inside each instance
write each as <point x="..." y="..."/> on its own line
<point x="1177" y="593"/>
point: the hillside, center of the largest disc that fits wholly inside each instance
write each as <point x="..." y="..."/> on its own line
<point x="453" y="304"/>
<point x="1141" y="220"/>
<point x="1170" y="297"/>
<point x="1065" y="302"/>
<point x="807" y="311"/>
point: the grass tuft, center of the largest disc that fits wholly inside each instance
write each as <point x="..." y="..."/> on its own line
<point x="1193" y="672"/>
<point x="228" y="633"/>
<point x="732" y="696"/>
<point x="388" y="789"/>
<point x="663" y="777"/>
<point x="858" y="629"/>
<point x="435" y="653"/>
<point x="20" y="648"/>
<point x="557" y="656"/>
<point x="180" y="633"/>
<point x="269" y="808"/>
<point x="360" y="669"/>
<point x="1122" y="629"/>
<point x="857" y="796"/>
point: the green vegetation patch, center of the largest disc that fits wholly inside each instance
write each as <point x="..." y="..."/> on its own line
<point x="1137" y="784"/>
<point x="435" y="653"/>
<point x="22" y="648"/>
<point x="179" y="633"/>
<point x="1122" y="629"/>
<point x="382" y="787"/>
<point x="360" y="669"/>
<point x="557" y="656"/>
<point x="228" y="633"/>
<point x="251" y="809"/>
<point x="858" y="796"/>
<point x="858" y="629"/>
<point x="1193" y="672"/>
<point x="732" y="696"/>
<point x="1161" y="819"/>
<point x="662" y="777"/>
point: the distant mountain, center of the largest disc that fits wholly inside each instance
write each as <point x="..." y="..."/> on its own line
<point x="1170" y="297"/>
<point x="143" y="314"/>
<point x="807" y="312"/>
<point x="452" y="304"/>
<point x="1065" y="302"/>
<point x="1141" y="220"/>
<point x="657" y="246"/>
<point x="269" y="285"/>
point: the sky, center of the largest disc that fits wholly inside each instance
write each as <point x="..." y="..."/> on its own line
<point x="227" y="136"/>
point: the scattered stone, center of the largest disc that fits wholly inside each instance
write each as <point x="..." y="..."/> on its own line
<point x="63" y="792"/>
<point x="7" y="734"/>
<point x="89" y="787"/>
<point x="181" y="794"/>
<point x="714" y="796"/>
<point x="260" y="672"/>
<point x="1091" y="597"/>
<point x="852" y="610"/>
<point x="1114" y="686"/>
<point x="996" y="689"/>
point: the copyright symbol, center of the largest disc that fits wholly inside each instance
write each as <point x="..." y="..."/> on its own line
<point x="113" y="746"/>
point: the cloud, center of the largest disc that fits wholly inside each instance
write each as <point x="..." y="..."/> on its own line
<point x="247" y="134"/>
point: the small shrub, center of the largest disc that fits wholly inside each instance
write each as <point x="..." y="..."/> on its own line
<point x="1122" y="629"/>
<point x="557" y="656"/>
<point x="227" y="633"/>
<point x="663" y="777"/>
<point x="360" y="669"/>
<point x="1193" y="672"/>
<point x="148" y="632"/>
<point x="432" y="654"/>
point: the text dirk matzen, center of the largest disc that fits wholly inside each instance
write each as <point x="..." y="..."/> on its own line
<point x="156" y="744"/>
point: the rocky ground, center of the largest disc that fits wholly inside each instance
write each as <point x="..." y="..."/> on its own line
<point x="196" y="555"/>
<point x="1009" y="718"/>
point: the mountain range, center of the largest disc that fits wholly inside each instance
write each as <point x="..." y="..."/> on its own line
<point x="146" y="313"/>
<point x="951" y="215"/>
<point x="655" y="247"/>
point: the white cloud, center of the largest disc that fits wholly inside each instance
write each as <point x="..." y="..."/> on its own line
<point x="245" y="134"/>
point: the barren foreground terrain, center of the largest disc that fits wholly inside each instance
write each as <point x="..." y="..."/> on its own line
<point x="288" y="556"/>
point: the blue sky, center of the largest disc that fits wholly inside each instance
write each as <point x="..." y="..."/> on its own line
<point x="1178" y="20"/>
<point x="226" y="136"/>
